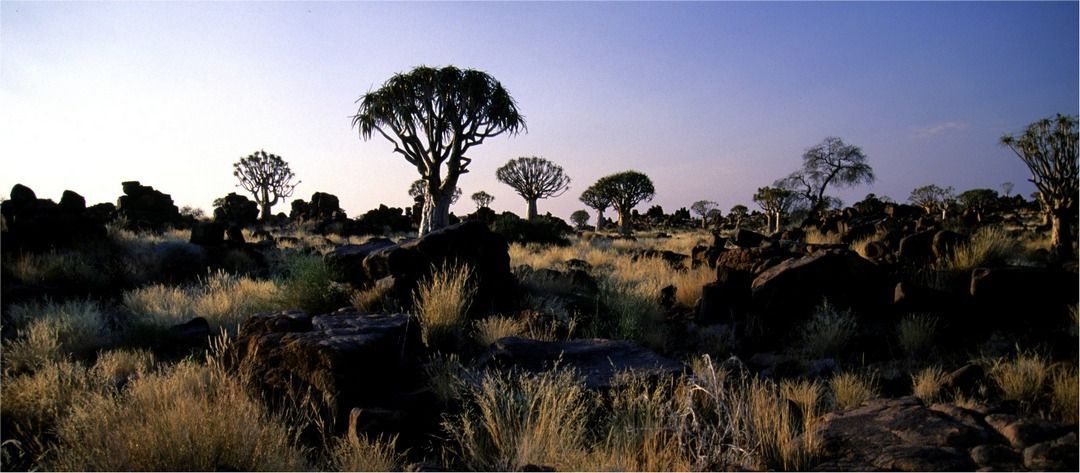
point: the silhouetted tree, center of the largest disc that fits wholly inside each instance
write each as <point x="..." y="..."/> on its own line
<point x="933" y="198"/>
<point x="419" y="187"/>
<point x="482" y="199"/>
<point x="267" y="177"/>
<point x="831" y="162"/>
<point x="596" y="200"/>
<point x="625" y="190"/>
<point x="533" y="178"/>
<point x="702" y="208"/>
<point x="1006" y="188"/>
<point x="775" y="202"/>
<point x="738" y="212"/>
<point x="434" y="117"/>
<point x="655" y="212"/>
<point x="579" y="218"/>
<point x="978" y="201"/>
<point x="1048" y="148"/>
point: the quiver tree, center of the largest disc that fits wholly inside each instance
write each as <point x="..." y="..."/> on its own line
<point x="829" y="163"/>
<point x="1048" y="149"/>
<point x="775" y="202"/>
<point x="594" y="199"/>
<point x="703" y="208"/>
<point x="933" y="199"/>
<point x="267" y="177"/>
<point x="433" y="117"/>
<point x="738" y="213"/>
<point x="533" y="178"/>
<point x="626" y="190"/>
<point x="482" y="199"/>
<point x="978" y="201"/>
<point x="579" y="218"/>
<point x="1007" y="188"/>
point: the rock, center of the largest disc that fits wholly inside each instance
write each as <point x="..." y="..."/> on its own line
<point x="746" y="239"/>
<point x="32" y="224"/>
<point x="207" y="234"/>
<point x="965" y="379"/>
<point x="342" y="361"/>
<point x="235" y="209"/>
<point x="71" y="202"/>
<point x="193" y="332"/>
<point x="667" y="297"/>
<point x="673" y="259"/>
<point x="597" y="361"/>
<point x="995" y="455"/>
<point x="348" y="260"/>
<point x="896" y="434"/>
<point x="1001" y="293"/>
<point x="323" y="206"/>
<point x="1056" y="455"/>
<point x="876" y="250"/>
<point x="945" y="242"/>
<point x="235" y="234"/>
<point x="22" y="194"/>
<point x="754" y="260"/>
<point x="912" y="298"/>
<point x="146" y="208"/>
<point x="726" y="299"/>
<point x="1024" y="432"/>
<point x="917" y="248"/>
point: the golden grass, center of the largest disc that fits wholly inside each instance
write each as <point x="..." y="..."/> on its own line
<point x="1022" y="378"/>
<point x="859" y="246"/>
<point x="988" y="246"/>
<point x="850" y="390"/>
<point x="222" y="299"/>
<point x="191" y="417"/>
<point x="33" y="404"/>
<point x="916" y="334"/>
<point x="646" y="428"/>
<point x="488" y="330"/>
<point x="116" y="367"/>
<point x="828" y="331"/>
<point x="442" y="303"/>
<point x="522" y="419"/>
<point x="815" y="237"/>
<point x="359" y="453"/>
<point x="51" y="331"/>
<point x="1065" y="394"/>
<point x="445" y="377"/>
<point x="927" y="384"/>
<point x="67" y="267"/>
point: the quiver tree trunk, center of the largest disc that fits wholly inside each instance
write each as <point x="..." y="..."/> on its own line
<point x="532" y="209"/>
<point x="625" y="226"/>
<point x="1061" y="233"/>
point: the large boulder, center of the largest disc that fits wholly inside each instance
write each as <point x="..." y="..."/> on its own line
<point x="754" y="260"/>
<point x="897" y="435"/>
<point x="743" y="238"/>
<point x="33" y="224"/>
<point x="1031" y="298"/>
<point x="917" y="248"/>
<point x="341" y="361"/>
<point x="348" y="260"/>
<point x="486" y="254"/>
<point x="725" y="300"/>
<point x="235" y="209"/>
<point x="597" y="361"/>
<point x="145" y="208"/>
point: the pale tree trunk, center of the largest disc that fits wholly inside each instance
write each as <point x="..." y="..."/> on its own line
<point x="625" y="226"/>
<point x="599" y="219"/>
<point x="532" y="209"/>
<point x="436" y="212"/>
<point x="1061" y="235"/>
<point x="264" y="206"/>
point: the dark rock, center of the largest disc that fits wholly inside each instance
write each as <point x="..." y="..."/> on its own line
<point x="965" y="379"/>
<point x="917" y="248"/>
<point x="747" y="239"/>
<point x="896" y="434"/>
<point x="577" y="264"/>
<point x="597" y="361"/>
<point x="1055" y="455"/>
<point x="71" y="202"/>
<point x="207" y="234"/>
<point x="667" y="297"/>
<point x="1002" y="293"/>
<point x="876" y="250"/>
<point x="754" y="260"/>
<point x="1024" y="432"/>
<point x="991" y="455"/>
<point x="946" y="242"/>
<point x="22" y="194"/>
<point x="146" y="208"/>
<point x="235" y="209"/>
<point x="235" y="234"/>
<point x="348" y="260"/>
<point x="911" y="298"/>
<point x="726" y="299"/>
<point x="193" y="332"/>
<point x="32" y="224"/>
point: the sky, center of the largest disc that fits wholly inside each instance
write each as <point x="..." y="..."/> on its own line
<point x="711" y="100"/>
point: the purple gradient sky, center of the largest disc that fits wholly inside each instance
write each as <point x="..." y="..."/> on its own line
<point x="712" y="100"/>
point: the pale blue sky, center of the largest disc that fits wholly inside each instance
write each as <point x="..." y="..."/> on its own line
<point x="712" y="100"/>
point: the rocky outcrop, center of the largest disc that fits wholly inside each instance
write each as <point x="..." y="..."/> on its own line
<point x="145" y="208"/>
<point x="33" y="224"/>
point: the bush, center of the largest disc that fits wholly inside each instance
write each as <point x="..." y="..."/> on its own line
<point x="989" y="246"/>
<point x="308" y="284"/>
<point x="917" y="333"/>
<point x="545" y="229"/>
<point x="33" y="405"/>
<point x="851" y="390"/>
<point x="442" y="303"/>
<point x="828" y="331"/>
<point x="1022" y="378"/>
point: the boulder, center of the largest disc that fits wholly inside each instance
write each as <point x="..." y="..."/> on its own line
<point x="235" y="209"/>
<point x="754" y="260"/>
<point x="32" y="224"/>
<point x="1042" y="295"/>
<point x="1023" y="432"/>
<point x="725" y="300"/>
<point x="994" y="455"/>
<point x="146" y="208"/>
<point x="1055" y="455"/>
<point x="72" y="202"/>
<point x="597" y="361"/>
<point x="896" y="435"/>
<point x="746" y="239"/>
<point x="207" y="234"/>
<point x="348" y="260"/>
<point x="945" y="242"/>
<point x="917" y="248"/>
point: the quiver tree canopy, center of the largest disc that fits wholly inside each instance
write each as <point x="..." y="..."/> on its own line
<point x="625" y="190"/>
<point x="433" y="117"/>
<point x="267" y="177"/>
<point x="534" y="178"/>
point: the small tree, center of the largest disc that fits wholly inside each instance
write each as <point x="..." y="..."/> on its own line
<point x="1007" y="188"/>
<point x="267" y="177"/>
<point x="482" y="199"/>
<point x="738" y="212"/>
<point x="433" y="117"/>
<point x="933" y="199"/>
<point x="1048" y="148"/>
<point x="978" y="201"/>
<point x="625" y="190"/>
<point x="829" y="163"/>
<point x="775" y="202"/>
<point x="702" y="208"/>
<point x="533" y="178"/>
<point x="598" y="201"/>
<point x="579" y="218"/>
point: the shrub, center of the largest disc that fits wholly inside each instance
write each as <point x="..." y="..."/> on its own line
<point x="33" y="405"/>
<point x="1022" y="378"/>
<point x="544" y="229"/>
<point x="850" y="390"/>
<point x="308" y="284"/>
<point x="442" y="302"/>
<point x="191" y="417"/>
<point x="522" y="419"/>
<point x="989" y="246"/>
<point x="927" y="384"/>
<point x="828" y="331"/>
<point x="493" y="328"/>
<point x="1065" y="394"/>
<point x="690" y="283"/>
<point x="916" y="334"/>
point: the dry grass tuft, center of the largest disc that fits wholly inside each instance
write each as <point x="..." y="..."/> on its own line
<point x="359" y="453"/>
<point x="927" y="384"/>
<point x="33" y="404"/>
<point x="445" y="376"/>
<point x="916" y="334"/>
<point x="442" y="303"/>
<point x="51" y="331"/>
<point x="828" y="331"/>
<point x="815" y="237"/>
<point x="988" y="246"/>
<point x="1065" y="394"/>
<point x="488" y="330"/>
<point x="1022" y="378"/>
<point x="850" y="390"/>
<point x="646" y="428"/>
<point x="222" y="299"/>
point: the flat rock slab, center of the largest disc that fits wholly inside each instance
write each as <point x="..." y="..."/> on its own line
<point x="597" y="361"/>
<point x="899" y="435"/>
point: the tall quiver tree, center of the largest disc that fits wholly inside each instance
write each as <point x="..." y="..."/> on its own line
<point x="596" y="200"/>
<point x="775" y="201"/>
<point x="434" y="117"/>
<point x="533" y="178"/>
<point x="625" y="190"/>
<point x="1049" y="149"/>
<point x="267" y="177"/>
<point x="829" y="163"/>
<point x="702" y="208"/>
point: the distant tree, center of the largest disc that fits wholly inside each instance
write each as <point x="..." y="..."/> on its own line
<point x="193" y="213"/>
<point x="1048" y="148"/>
<point x="579" y="218"/>
<point x="702" y="208"/>
<point x="681" y="215"/>
<point x="267" y="177"/>
<point x="482" y="199"/>
<point x="655" y="212"/>
<point x="625" y="190"/>
<point x="418" y="187"/>
<point x="596" y="200"/>
<point x="533" y="178"/>
<point x="775" y="202"/>
<point x="829" y="163"/>
<point x="738" y="212"/>
<point x="1006" y="188"/>
<point x="933" y="199"/>
<point x="978" y="201"/>
<point x="433" y="117"/>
